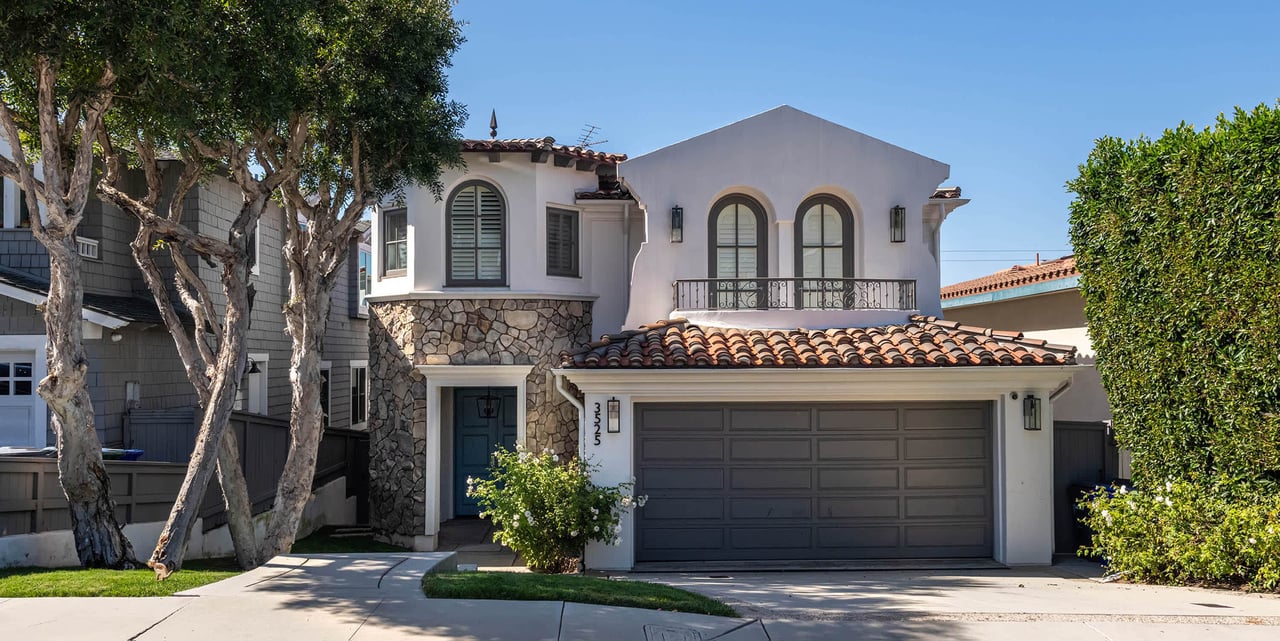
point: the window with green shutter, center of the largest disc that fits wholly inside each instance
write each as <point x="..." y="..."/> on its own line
<point x="562" y="242"/>
<point x="477" y="236"/>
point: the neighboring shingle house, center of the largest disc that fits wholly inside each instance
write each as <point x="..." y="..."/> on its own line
<point x="132" y="360"/>
<point x="790" y="392"/>
<point x="1043" y="300"/>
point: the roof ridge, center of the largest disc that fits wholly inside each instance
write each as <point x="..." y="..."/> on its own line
<point x="1014" y="276"/>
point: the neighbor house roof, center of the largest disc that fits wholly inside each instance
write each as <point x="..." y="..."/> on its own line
<point x="923" y="341"/>
<point x="547" y="144"/>
<point x="946" y="192"/>
<point x="1015" y="276"/>
<point x="132" y="309"/>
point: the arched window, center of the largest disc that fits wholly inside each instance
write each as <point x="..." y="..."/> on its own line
<point x="738" y="240"/>
<point x="477" y="235"/>
<point x="824" y="251"/>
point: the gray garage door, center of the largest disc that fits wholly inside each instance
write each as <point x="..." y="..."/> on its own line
<point x="734" y="482"/>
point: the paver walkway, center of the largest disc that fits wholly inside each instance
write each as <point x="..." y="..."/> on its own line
<point x="342" y="597"/>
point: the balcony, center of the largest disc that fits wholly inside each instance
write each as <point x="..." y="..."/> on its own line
<point x="829" y="294"/>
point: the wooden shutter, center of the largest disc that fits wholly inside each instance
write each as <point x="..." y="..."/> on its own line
<point x="562" y="242"/>
<point x="477" y="236"/>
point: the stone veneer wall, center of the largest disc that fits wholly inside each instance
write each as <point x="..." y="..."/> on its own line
<point x="407" y="333"/>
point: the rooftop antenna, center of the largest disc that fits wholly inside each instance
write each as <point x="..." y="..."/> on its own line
<point x="493" y="124"/>
<point x="585" y="140"/>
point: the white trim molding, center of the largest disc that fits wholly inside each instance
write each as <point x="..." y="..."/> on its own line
<point x="440" y="378"/>
<point x="496" y="293"/>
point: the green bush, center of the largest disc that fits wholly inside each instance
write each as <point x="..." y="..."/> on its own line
<point x="1178" y="244"/>
<point x="1218" y="531"/>
<point x="547" y="510"/>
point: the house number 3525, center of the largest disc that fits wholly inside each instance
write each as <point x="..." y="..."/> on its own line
<point x="597" y="423"/>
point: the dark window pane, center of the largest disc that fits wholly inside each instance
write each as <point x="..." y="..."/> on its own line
<point x="4" y="370"/>
<point x="22" y="370"/>
<point x="4" y="388"/>
<point x="22" y="388"/>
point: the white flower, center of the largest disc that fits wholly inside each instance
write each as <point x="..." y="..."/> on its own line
<point x="626" y="501"/>
<point x="595" y="512"/>
<point x="1130" y="504"/>
<point x="528" y="513"/>
<point x="573" y="533"/>
<point x="1168" y="502"/>
<point x="555" y="457"/>
<point x="595" y="528"/>
<point x="1124" y="490"/>
<point x="1252" y="540"/>
<point x="641" y="500"/>
<point x="1168" y="486"/>
<point x="617" y="529"/>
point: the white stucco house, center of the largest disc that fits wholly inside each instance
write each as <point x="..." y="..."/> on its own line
<point x="746" y="322"/>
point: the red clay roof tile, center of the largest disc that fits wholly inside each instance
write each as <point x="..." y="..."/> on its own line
<point x="923" y="341"/>
<point x="1015" y="276"/>
<point x="541" y="144"/>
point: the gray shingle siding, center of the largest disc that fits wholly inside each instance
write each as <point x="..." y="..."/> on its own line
<point x="147" y="354"/>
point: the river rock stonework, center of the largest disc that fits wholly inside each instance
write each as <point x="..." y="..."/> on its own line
<point x="405" y="334"/>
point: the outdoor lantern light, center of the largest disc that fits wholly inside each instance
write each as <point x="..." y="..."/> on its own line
<point x="677" y="224"/>
<point x="487" y="405"/>
<point x="615" y="416"/>
<point x="1030" y="412"/>
<point x="898" y="224"/>
<point x="253" y="366"/>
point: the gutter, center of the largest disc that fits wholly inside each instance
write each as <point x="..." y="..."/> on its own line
<point x="582" y="414"/>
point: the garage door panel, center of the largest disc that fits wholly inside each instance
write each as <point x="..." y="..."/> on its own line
<point x="684" y="509"/>
<point x="742" y="481"/>
<point x="859" y="449"/>
<point x="774" y="538"/>
<point x="884" y="538"/>
<point x="683" y="538"/>
<point x="682" y="478"/>
<point x="682" y="449"/>
<point x="681" y="419"/>
<point x="771" y="478"/>
<point x="772" y="420"/>
<point x="858" y="478"/>
<point x="753" y="449"/>
<point x="927" y="418"/>
<point x="771" y="507"/>
<point x="927" y="478"/>
<point x="865" y="507"/>
<point x="945" y="447"/>
<point x="845" y="420"/>
<point x="945" y="506"/>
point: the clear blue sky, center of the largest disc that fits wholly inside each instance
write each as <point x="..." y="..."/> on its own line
<point x="1011" y="95"/>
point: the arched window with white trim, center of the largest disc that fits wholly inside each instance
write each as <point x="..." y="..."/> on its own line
<point x="477" y="236"/>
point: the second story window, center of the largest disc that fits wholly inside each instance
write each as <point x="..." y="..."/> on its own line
<point x="738" y="238"/>
<point x="824" y="247"/>
<point x="562" y="242"/>
<point x="363" y="282"/>
<point x="477" y="221"/>
<point x="395" y="241"/>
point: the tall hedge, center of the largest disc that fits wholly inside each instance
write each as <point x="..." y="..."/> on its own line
<point x="1178" y="243"/>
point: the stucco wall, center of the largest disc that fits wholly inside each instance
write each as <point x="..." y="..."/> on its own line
<point x="780" y="158"/>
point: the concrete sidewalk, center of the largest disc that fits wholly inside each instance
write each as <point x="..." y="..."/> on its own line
<point x="341" y="597"/>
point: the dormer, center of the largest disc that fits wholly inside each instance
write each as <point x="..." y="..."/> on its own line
<point x="787" y="220"/>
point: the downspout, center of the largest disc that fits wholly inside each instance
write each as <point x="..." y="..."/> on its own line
<point x="582" y="415"/>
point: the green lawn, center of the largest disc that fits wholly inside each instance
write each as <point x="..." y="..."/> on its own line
<point x="324" y="542"/>
<point x="569" y="587"/>
<point x="32" y="582"/>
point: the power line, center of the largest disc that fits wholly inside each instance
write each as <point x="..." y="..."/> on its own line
<point x="1001" y="251"/>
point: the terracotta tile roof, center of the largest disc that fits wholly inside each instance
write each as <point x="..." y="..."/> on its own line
<point x="947" y="192"/>
<point x="541" y="144"/>
<point x="609" y="188"/>
<point x="1015" y="276"/>
<point x="924" y="341"/>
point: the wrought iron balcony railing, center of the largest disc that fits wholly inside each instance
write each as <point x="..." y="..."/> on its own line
<point x="794" y="293"/>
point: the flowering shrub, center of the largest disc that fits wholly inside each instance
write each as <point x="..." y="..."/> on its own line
<point x="1222" y="531"/>
<point x="547" y="510"/>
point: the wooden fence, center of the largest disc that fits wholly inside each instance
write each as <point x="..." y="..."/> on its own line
<point x="31" y="498"/>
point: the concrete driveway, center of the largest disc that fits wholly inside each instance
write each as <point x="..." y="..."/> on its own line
<point x="1065" y="602"/>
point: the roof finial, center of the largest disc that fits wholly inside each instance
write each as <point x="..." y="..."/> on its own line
<point x="493" y="123"/>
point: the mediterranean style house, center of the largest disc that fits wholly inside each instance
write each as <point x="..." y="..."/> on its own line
<point x="746" y="323"/>
<point x="1043" y="300"/>
<point x="135" y="373"/>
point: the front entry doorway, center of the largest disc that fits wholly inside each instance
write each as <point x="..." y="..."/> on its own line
<point x="484" y="419"/>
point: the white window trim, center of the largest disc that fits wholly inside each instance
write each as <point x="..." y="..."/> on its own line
<point x="256" y="270"/>
<point x="362" y="296"/>
<point x="328" y="383"/>
<point x="36" y="343"/>
<point x="351" y="367"/>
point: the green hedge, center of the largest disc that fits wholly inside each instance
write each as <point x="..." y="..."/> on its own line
<point x="1178" y="243"/>
<point x="1218" y="531"/>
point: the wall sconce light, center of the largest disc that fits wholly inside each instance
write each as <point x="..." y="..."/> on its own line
<point x="253" y="367"/>
<point x="1030" y="412"/>
<point x="898" y="224"/>
<point x="677" y="224"/>
<point x="614" y="424"/>
<point x="487" y="405"/>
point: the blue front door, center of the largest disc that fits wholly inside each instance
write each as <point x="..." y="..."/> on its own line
<point x="484" y="419"/>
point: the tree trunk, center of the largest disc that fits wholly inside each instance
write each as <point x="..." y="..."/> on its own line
<point x="228" y="369"/>
<point x="235" y="493"/>
<point x="306" y="318"/>
<point x="100" y="541"/>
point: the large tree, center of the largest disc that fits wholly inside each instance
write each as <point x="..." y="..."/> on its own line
<point x="1178" y="242"/>
<point x="379" y="120"/>
<point x="62" y="63"/>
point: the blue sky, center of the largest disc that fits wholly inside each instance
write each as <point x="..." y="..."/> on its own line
<point x="1011" y="95"/>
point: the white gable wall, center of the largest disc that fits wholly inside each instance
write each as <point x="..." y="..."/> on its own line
<point x="780" y="158"/>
